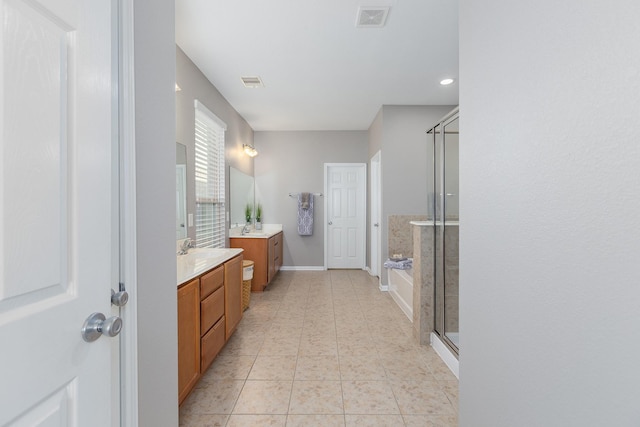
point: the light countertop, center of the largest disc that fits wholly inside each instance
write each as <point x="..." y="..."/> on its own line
<point x="268" y="230"/>
<point x="200" y="260"/>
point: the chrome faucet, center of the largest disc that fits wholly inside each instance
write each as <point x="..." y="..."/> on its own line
<point x="185" y="246"/>
<point x="245" y="230"/>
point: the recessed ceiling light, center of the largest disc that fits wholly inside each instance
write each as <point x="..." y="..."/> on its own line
<point x="445" y="82"/>
<point x="252" y="81"/>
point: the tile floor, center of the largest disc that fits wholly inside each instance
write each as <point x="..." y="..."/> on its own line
<point x="323" y="348"/>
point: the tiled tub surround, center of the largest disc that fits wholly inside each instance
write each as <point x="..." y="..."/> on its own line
<point x="324" y="349"/>
<point x="400" y="234"/>
<point x="423" y="281"/>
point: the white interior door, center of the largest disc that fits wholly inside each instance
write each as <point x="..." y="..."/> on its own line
<point x="375" y="230"/>
<point x="345" y="215"/>
<point x="57" y="203"/>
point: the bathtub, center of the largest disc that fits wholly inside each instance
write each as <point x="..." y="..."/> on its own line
<point x="401" y="289"/>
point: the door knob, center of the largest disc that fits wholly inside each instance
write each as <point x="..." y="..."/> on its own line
<point x="376" y="225"/>
<point x="97" y="324"/>
<point x="119" y="299"/>
<point x="330" y="222"/>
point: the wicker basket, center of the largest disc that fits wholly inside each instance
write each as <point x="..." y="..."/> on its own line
<point x="246" y="294"/>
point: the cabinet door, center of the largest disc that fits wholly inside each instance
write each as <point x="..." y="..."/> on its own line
<point x="232" y="294"/>
<point x="188" y="337"/>
<point x="255" y="249"/>
<point x="278" y="247"/>
<point x="271" y="258"/>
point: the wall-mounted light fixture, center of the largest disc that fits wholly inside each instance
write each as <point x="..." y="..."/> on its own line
<point x="250" y="150"/>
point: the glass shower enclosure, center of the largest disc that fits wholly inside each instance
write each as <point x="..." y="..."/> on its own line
<point x="444" y="195"/>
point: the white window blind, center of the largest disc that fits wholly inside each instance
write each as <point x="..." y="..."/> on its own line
<point x="209" y="170"/>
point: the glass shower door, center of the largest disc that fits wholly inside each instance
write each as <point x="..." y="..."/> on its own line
<point x="451" y="221"/>
<point x="446" y="227"/>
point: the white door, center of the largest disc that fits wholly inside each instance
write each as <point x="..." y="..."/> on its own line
<point x="57" y="225"/>
<point x="376" y="185"/>
<point x="345" y="215"/>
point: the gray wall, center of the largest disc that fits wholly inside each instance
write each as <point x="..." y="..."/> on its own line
<point x="292" y="162"/>
<point x="405" y="164"/>
<point x="155" y="210"/>
<point x="194" y="86"/>
<point x="549" y="246"/>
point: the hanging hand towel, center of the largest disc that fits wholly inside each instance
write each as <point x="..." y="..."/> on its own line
<point x="305" y="214"/>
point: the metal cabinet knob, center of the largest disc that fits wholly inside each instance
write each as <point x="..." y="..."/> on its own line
<point x="330" y="222"/>
<point x="119" y="299"/>
<point x="97" y="325"/>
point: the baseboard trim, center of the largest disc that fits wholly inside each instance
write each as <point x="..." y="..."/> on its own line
<point x="445" y="354"/>
<point x="302" y="268"/>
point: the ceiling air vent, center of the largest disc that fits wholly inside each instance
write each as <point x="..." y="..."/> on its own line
<point x="372" y="17"/>
<point x="252" y="81"/>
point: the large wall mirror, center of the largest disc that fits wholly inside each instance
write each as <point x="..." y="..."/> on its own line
<point x="241" y="188"/>
<point x="181" y="191"/>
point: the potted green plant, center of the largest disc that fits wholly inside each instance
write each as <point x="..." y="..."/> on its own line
<point x="247" y="213"/>
<point x="258" y="216"/>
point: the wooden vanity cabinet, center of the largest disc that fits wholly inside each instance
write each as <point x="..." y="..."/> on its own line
<point x="212" y="316"/>
<point x="233" y="294"/>
<point x="209" y="311"/>
<point x="188" y="337"/>
<point x="274" y="256"/>
<point x="266" y="255"/>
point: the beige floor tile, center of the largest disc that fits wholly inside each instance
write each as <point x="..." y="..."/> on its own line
<point x="361" y="368"/>
<point x="284" y="346"/>
<point x="403" y="369"/>
<point x="264" y="397"/>
<point x="227" y="366"/>
<point x="373" y="420"/>
<point x="243" y="344"/>
<point x="257" y="420"/>
<point x="213" y="400"/>
<point x="322" y="420"/>
<point x="208" y="420"/>
<point x="317" y="368"/>
<point x="441" y="372"/>
<point x="450" y="388"/>
<point x="421" y="398"/>
<point x="330" y="324"/>
<point x="316" y="397"/>
<point x="430" y="420"/>
<point x="368" y="397"/>
<point x="318" y="347"/>
<point x="273" y="368"/>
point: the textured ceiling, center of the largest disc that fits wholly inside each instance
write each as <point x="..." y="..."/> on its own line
<point x="320" y="71"/>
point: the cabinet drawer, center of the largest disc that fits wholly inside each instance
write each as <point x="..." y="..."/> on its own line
<point x="211" y="344"/>
<point x="211" y="309"/>
<point x="211" y="281"/>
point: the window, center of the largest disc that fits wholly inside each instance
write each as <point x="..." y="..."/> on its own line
<point x="209" y="165"/>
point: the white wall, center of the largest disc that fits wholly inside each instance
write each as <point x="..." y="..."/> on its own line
<point x="293" y="162"/>
<point x="155" y="204"/>
<point x="550" y="234"/>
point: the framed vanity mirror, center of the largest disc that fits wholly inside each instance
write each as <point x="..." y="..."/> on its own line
<point x="241" y="187"/>
<point x="181" y="191"/>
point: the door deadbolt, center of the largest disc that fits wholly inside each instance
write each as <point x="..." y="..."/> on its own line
<point x="119" y="299"/>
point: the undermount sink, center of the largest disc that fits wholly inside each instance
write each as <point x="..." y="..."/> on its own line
<point x="254" y="234"/>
